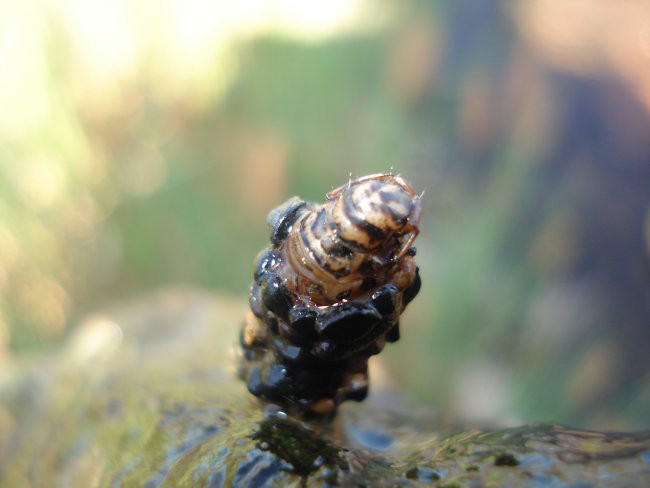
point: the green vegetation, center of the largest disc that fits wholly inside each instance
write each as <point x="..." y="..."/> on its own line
<point x="142" y="146"/>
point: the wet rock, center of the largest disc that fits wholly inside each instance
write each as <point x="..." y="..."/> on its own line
<point x="150" y="399"/>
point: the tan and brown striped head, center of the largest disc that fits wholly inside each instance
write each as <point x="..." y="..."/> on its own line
<point x="369" y="211"/>
<point x="359" y="237"/>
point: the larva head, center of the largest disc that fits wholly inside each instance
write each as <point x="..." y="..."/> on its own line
<point x="371" y="211"/>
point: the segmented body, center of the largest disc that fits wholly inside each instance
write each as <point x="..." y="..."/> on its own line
<point x="328" y="293"/>
<point x="345" y="247"/>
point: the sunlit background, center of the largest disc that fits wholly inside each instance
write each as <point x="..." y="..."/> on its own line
<point x="142" y="144"/>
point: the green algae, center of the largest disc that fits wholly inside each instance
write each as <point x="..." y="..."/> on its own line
<point x="303" y="448"/>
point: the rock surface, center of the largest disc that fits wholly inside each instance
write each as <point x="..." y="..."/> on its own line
<point x="146" y="396"/>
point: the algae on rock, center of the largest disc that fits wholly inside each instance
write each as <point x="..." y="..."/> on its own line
<point x="147" y="397"/>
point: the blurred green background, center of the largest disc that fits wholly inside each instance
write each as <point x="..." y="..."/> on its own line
<point x="142" y="144"/>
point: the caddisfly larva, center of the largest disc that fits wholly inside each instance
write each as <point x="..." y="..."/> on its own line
<point x="328" y="292"/>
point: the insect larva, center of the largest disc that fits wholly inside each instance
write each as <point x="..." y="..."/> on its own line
<point x="328" y="293"/>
